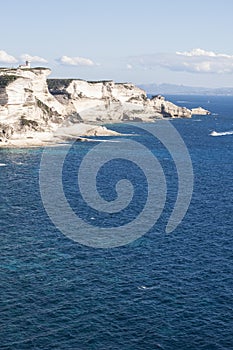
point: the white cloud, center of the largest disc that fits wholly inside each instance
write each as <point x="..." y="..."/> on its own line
<point x="76" y="61"/>
<point x="27" y="57"/>
<point x="129" y="66"/>
<point x="201" y="52"/>
<point x="194" y="61"/>
<point x="5" y="58"/>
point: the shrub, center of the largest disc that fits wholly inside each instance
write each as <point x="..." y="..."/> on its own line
<point x="28" y="122"/>
<point x="5" y="80"/>
<point x="56" y="84"/>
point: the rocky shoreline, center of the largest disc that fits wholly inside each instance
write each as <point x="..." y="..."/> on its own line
<point x="36" y="111"/>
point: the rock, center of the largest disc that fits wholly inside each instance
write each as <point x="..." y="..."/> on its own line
<point x="169" y="109"/>
<point x="107" y="101"/>
<point x="6" y="131"/>
<point x="200" y="111"/>
<point x="24" y="94"/>
<point x="79" y="130"/>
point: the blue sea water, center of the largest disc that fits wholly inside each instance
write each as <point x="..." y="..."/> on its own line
<point x="162" y="291"/>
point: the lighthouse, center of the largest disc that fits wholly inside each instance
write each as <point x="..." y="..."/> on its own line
<point x="25" y="66"/>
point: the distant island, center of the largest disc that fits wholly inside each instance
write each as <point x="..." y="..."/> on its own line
<point x="35" y="110"/>
<point x="173" y="89"/>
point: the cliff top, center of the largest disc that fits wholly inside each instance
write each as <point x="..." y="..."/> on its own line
<point x="5" y="69"/>
<point x="23" y="72"/>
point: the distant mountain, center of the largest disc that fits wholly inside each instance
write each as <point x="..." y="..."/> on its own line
<point x="172" y="89"/>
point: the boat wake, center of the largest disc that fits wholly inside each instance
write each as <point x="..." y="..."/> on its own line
<point x="224" y="133"/>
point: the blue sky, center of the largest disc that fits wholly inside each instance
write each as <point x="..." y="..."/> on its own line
<point x="166" y="41"/>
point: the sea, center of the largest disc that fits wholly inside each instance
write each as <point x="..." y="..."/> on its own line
<point x="171" y="291"/>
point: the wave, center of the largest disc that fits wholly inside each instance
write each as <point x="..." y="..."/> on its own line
<point x="2" y="164"/>
<point x="146" y="288"/>
<point x="223" y="133"/>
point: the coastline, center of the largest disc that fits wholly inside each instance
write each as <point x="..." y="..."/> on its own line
<point x="62" y="135"/>
<point x="37" y="112"/>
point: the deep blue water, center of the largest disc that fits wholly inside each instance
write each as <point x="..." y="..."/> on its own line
<point x="162" y="291"/>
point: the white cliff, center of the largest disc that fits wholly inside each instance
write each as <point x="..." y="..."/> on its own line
<point x="33" y="108"/>
<point x="200" y="111"/>
<point x="107" y="101"/>
<point x="25" y="102"/>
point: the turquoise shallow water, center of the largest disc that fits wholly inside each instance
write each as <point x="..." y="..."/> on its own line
<point x="162" y="291"/>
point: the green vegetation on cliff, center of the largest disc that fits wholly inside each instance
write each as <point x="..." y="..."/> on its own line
<point x="5" y="80"/>
<point x="29" y="123"/>
<point x="57" y="84"/>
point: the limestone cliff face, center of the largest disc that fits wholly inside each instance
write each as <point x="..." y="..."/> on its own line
<point x="25" y="101"/>
<point x="29" y="102"/>
<point x="107" y="101"/>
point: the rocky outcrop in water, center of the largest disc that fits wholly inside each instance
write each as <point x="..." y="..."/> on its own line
<point x="200" y="111"/>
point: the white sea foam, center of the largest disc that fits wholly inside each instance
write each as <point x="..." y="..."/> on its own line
<point x="17" y="163"/>
<point x="223" y="133"/>
<point x="2" y="164"/>
<point x="146" y="288"/>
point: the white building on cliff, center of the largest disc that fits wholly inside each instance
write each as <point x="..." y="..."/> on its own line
<point x="27" y="65"/>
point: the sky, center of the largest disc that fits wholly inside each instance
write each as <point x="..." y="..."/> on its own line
<point x="186" y="42"/>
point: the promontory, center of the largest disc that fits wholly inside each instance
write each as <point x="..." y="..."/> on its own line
<point x="34" y="109"/>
